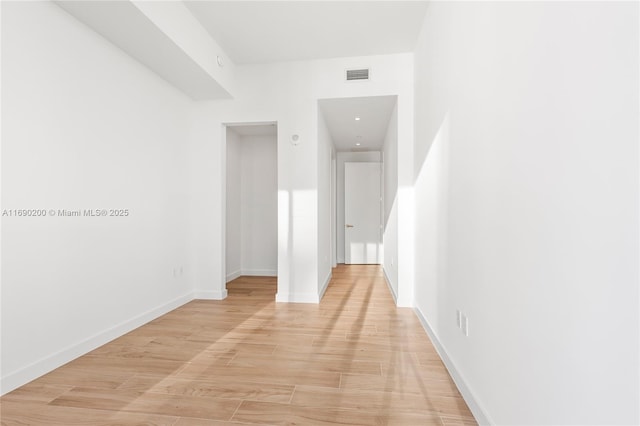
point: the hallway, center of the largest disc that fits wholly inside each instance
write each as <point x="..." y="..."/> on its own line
<point x="355" y="359"/>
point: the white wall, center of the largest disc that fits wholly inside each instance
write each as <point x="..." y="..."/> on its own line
<point x="286" y="93"/>
<point x="341" y="158"/>
<point x="325" y="204"/>
<point x="527" y="206"/>
<point x="234" y="206"/>
<point x="259" y="205"/>
<point x="390" y="207"/>
<point x="85" y="127"/>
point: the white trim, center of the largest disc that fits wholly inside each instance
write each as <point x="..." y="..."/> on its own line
<point x="210" y="294"/>
<point x="232" y="276"/>
<point x="297" y="298"/>
<point x="259" y="272"/>
<point x="325" y="285"/>
<point x="32" y="371"/>
<point x="469" y="396"/>
<point x="391" y="290"/>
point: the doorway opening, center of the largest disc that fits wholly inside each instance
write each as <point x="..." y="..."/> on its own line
<point x="251" y="204"/>
<point x="364" y="133"/>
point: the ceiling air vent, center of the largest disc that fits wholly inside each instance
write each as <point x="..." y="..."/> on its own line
<point x="362" y="74"/>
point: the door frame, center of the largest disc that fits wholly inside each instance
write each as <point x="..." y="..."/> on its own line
<point x="223" y="189"/>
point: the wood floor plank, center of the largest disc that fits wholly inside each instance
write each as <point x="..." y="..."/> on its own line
<point x="225" y="390"/>
<point x="184" y="406"/>
<point x="120" y="365"/>
<point x="354" y="359"/>
<point x="148" y="402"/>
<point x="153" y="350"/>
<point x="185" y="421"/>
<point x="97" y="399"/>
<point x="289" y="415"/>
<point x="366" y="345"/>
<point x="331" y="364"/>
<point x="21" y="414"/>
<point x="217" y="346"/>
<point x="457" y="421"/>
<point x="342" y="351"/>
<point x="36" y="392"/>
<point x="307" y="376"/>
<point x="391" y="402"/>
<point x="277" y="338"/>
<point x="403" y="384"/>
<point x="73" y="375"/>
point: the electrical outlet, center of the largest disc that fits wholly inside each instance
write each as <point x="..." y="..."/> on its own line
<point x="459" y="318"/>
<point x="177" y="272"/>
<point x="465" y="325"/>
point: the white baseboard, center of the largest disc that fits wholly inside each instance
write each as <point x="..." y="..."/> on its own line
<point x="210" y="294"/>
<point x="393" y="292"/>
<point x="297" y="298"/>
<point x="232" y="276"/>
<point x="304" y="297"/>
<point x="469" y="396"/>
<point x="32" y="371"/>
<point x="324" y="286"/>
<point x="259" y="272"/>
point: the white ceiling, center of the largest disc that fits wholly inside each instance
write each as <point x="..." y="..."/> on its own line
<point x="374" y="113"/>
<point x="152" y="44"/>
<point x="272" y="31"/>
<point x="255" y="129"/>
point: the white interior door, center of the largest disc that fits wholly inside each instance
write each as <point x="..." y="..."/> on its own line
<point x="362" y="206"/>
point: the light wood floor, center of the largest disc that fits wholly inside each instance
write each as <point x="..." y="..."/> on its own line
<point x="355" y="359"/>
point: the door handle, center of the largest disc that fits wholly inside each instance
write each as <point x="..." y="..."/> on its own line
<point x="349" y="226"/>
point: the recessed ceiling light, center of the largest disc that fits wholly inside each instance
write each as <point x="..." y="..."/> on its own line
<point x="358" y="144"/>
<point x="357" y="118"/>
